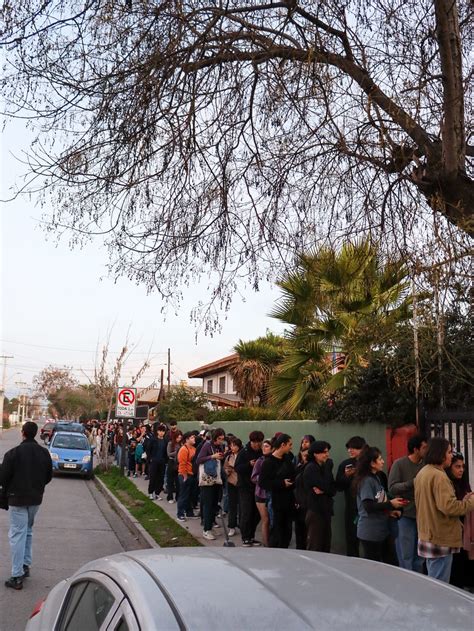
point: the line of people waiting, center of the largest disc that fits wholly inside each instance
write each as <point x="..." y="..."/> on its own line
<point x="412" y="518"/>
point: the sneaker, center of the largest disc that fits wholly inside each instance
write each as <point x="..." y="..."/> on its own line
<point x="216" y="525"/>
<point x="15" y="582"/>
<point x="158" y="498"/>
<point x="256" y="543"/>
<point x="147" y="477"/>
<point x="171" y="501"/>
<point x="181" y="518"/>
<point x="134" y="475"/>
<point x="207" y="534"/>
<point x="192" y="516"/>
<point x="231" y="532"/>
<point x="26" y="571"/>
<point x="152" y="496"/>
<point x="246" y="543"/>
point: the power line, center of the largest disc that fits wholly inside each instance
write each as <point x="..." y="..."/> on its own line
<point x="78" y="350"/>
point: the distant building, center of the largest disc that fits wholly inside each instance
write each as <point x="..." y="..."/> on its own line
<point x="217" y="382"/>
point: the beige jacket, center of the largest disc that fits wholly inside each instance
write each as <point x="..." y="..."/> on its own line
<point x="437" y="509"/>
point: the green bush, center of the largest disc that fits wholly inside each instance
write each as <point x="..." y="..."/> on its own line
<point x="6" y="424"/>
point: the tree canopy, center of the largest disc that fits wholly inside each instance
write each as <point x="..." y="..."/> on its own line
<point x="335" y="300"/>
<point x="53" y="379"/>
<point x="204" y="137"/>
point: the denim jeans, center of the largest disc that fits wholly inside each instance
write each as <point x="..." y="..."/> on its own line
<point x="407" y="545"/>
<point x="184" y="498"/>
<point x="210" y="504"/>
<point x="440" y="568"/>
<point x="20" y="535"/>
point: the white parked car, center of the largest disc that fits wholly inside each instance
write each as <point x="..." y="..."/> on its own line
<point x="239" y="589"/>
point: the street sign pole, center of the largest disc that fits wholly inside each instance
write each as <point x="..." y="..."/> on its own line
<point x="126" y="410"/>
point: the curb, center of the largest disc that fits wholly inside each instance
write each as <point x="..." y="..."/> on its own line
<point x="133" y="524"/>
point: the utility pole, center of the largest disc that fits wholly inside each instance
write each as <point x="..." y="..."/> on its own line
<point x="22" y="401"/>
<point x="2" y="391"/>
<point x="169" y="371"/>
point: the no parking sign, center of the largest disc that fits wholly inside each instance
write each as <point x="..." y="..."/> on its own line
<point x="126" y="402"/>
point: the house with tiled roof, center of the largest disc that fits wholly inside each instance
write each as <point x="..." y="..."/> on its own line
<point x="217" y="382"/>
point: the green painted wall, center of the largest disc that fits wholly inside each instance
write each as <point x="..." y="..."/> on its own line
<point x="336" y="434"/>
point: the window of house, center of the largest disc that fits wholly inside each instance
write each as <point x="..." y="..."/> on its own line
<point x="221" y="385"/>
<point x="209" y="386"/>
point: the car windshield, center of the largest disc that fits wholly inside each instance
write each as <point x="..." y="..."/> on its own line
<point x="65" y="441"/>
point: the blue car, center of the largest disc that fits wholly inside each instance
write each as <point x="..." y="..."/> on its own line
<point x="71" y="453"/>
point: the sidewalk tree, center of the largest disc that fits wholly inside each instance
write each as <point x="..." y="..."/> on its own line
<point x="53" y="379"/>
<point x="197" y="136"/>
<point x="335" y="301"/>
<point x="72" y="403"/>
<point x="183" y="404"/>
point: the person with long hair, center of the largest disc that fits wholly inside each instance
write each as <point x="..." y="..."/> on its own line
<point x="438" y="511"/>
<point x="462" y="570"/>
<point x="261" y="496"/>
<point x="320" y="489"/>
<point x="374" y="508"/>
<point x="235" y="445"/>
<point x="172" y="484"/>
<point x="301" y="456"/>
<point x="301" y="462"/>
<point x="209" y="462"/>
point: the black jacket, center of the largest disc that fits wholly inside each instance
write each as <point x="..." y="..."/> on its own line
<point x="320" y="476"/>
<point x="345" y="483"/>
<point x="24" y="473"/>
<point x="272" y="478"/>
<point x="244" y="468"/>
<point x="157" y="450"/>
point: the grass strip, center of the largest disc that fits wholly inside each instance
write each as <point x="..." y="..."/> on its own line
<point x="164" y="530"/>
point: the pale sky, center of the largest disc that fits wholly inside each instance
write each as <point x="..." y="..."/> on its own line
<point x="58" y="304"/>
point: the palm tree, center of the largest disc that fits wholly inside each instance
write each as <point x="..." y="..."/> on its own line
<point x="255" y="365"/>
<point x="336" y="300"/>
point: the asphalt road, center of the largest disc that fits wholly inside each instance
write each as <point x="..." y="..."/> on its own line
<point x="73" y="527"/>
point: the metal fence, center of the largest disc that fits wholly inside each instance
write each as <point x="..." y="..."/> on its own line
<point x="457" y="426"/>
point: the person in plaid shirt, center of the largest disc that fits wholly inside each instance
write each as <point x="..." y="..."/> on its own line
<point x="438" y="511"/>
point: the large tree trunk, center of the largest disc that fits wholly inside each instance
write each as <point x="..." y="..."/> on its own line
<point x="453" y="196"/>
<point x="452" y="127"/>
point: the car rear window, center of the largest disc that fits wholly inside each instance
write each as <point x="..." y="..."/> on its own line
<point x="87" y="606"/>
<point x="66" y="441"/>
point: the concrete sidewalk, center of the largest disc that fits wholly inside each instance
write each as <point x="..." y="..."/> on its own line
<point x="193" y="526"/>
